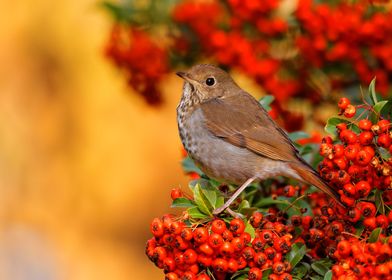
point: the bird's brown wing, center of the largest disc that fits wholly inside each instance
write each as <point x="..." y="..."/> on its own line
<point x="243" y="122"/>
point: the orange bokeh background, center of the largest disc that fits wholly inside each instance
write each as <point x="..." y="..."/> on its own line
<point x="84" y="165"/>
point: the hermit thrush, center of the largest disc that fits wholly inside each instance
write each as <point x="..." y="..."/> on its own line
<point x="231" y="137"/>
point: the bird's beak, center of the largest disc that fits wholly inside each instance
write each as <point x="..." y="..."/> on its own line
<point x="186" y="77"/>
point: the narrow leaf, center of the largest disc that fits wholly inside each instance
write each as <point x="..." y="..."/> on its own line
<point x="189" y="166"/>
<point x="267" y="201"/>
<point x="249" y="229"/>
<point x="373" y="237"/>
<point x="328" y="275"/>
<point x="372" y="90"/>
<point x="266" y="102"/>
<point x="195" y="213"/>
<point x="182" y="202"/>
<point x="201" y="201"/>
<point x="294" y="136"/>
<point x="320" y="267"/>
<point x="379" y="202"/>
<point x="297" y="252"/>
<point x="266" y="274"/>
<point x="301" y="270"/>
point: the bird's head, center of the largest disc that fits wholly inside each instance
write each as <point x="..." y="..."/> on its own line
<point x="206" y="81"/>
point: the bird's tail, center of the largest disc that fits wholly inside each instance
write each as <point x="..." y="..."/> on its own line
<point x="310" y="176"/>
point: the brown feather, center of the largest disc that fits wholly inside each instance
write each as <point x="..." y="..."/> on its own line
<point x="242" y="121"/>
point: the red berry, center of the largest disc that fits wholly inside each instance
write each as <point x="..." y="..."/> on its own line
<point x="343" y="103"/>
<point x="338" y="150"/>
<point x="367" y="209"/>
<point x="278" y="268"/>
<point x="285" y="276"/>
<point x="362" y="189"/>
<point x="218" y="226"/>
<point x="384" y="140"/>
<point x="384" y="125"/>
<point x="365" y="124"/>
<point x="176" y="228"/>
<point x="344" y="248"/>
<point x="232" y="266"/>
<point x="204" y="260"/>
<point x="350" y="111"/>
<point x="190" y="256"/>
<point x="260" y="258"/>
<point x="238" y="243"/>
<point x="200" y="235"/>
<point x="226" y="249"/>
<point x="215" y="240"/>
<point x="186" y="234"/>
<point x="256" y="219"/>
<point x="156" y="227"/>
<point x="206" y="249"/>
<point x="175" y="193"/>
<point x="248" y="253"/>
<point x="188" y="276"/>
<point x="171" y="276"/>
<point x="237" y="226"/>
<point x="363" y="158"/>
<point x="255" y="274"/>
<point x="203" y="277"/>
<point x="219" y="265"/>
<point x="365" y="138"/>
<point x="169" y="264"/>
<point x="370" y="223"/>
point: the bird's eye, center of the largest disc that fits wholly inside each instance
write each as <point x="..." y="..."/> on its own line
<point x="210" y="82"/>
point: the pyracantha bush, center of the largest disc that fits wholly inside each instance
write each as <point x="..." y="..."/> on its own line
<point x="279" y="229"/>
<point x="307" y="51"/>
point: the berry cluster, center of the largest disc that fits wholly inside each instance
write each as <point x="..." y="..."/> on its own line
<point x="352" y="43"/>
<point x="355" y="165"/>
<point x="220" y="248"/>
<point x="279" y="51"/>
<point x="359" y="260"/>
<point x="143" y="61"/>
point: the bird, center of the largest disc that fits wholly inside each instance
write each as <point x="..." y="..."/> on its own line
<point x="232" y="138"/>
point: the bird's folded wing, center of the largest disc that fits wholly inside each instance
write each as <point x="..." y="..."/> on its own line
<point x="242" y="121"/>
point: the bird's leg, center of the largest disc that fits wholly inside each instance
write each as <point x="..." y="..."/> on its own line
<point x="234" y="196"/>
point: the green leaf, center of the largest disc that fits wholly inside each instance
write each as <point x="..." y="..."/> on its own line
<point x="189" y="166"/>
<point x="301" y="270"/>
<point x="373" y="237"/>
<point x="249" y="229"/>
<point x="379" y="106"/>
<point x="379" y="202"/>
<point x="241" y="274"/>
<point x="210" y="194"/>
<point x="386" y="110"/>
<point x="297" y="252"/>
<point x="266" y="274"/>
<point x="182" y="202"/>
<point x="321" y="267"/>
<point x="201" y="201"/>
<point x="328" y="275"/>
<point x="330" y="127"/>
<point x="120" y="13"/>
<point x="219" y="201"/>
<point x="195" y="213"/>
<point x="316" y="277"/>
<point x="266" y="102"/>
<point x="268" y="201"/>
<point x="372" y="90"/>
<point x="244" y="204"/>
<point x="294" y="136"/>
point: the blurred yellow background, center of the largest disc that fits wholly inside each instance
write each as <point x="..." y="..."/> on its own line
<point x="84" y="165"/>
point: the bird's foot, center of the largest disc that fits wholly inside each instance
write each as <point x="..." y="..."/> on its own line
<point x="234" y="196"/>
